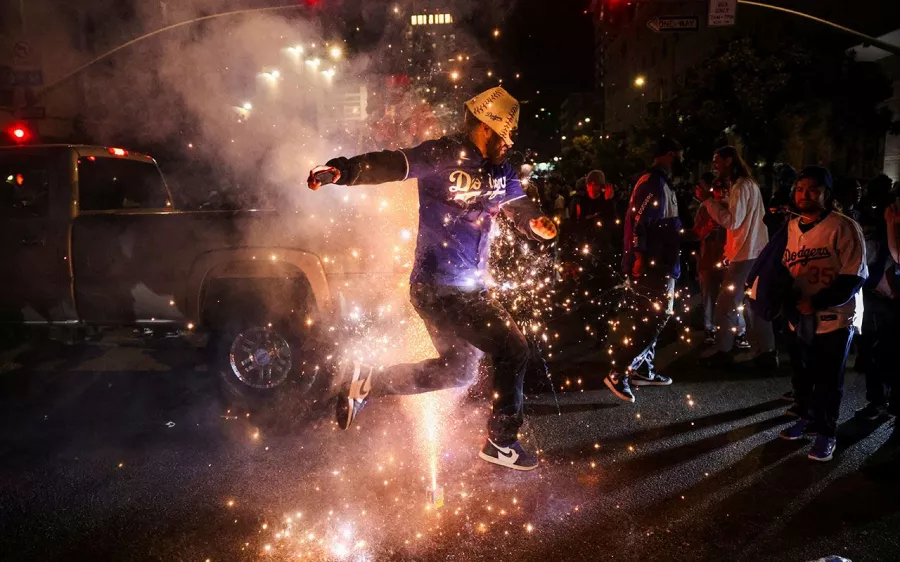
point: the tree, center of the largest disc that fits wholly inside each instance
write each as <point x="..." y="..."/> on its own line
<point x="766" y="90"/>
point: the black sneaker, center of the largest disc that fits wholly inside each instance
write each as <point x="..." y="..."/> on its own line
<point x="718" y="360"/>
<point x="741" y="342"/>
<point x="871" y="412"/>
<point x="788" y="396"/>
<point x="767" y="360"/>
<point x="354" y="392"/>
<point x="515" y="456"/>
<point x="649" y="379"/>
<point x="618" y="384"/>
<point x="710" y="338"/>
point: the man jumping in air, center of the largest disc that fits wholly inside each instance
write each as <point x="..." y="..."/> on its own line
<point x="464" y="181"/>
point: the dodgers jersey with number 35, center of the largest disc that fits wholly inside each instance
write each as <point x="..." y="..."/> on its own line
<point x="835" y="246"/>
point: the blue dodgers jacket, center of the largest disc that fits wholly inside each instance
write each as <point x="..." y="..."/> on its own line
<point x="459" y="194"/>
<point x="652" y="226"/>
<point x="769" y="281"/>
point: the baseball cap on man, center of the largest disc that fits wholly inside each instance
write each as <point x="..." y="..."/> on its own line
<point x="818" y="174"/>
<point x="498" y="110"/>
<point x="666" y="145"/>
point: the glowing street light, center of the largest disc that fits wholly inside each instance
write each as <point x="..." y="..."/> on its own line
<point x="639" y="81"/>
<point x="496" y="33"/>
<point x="247" y="106"/>
<point x="454" y="76"/>
<point x="335" y="52"/>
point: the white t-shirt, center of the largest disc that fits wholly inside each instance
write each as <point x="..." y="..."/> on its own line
<point x="835" y="246"/>
<point x="742" y="214"/>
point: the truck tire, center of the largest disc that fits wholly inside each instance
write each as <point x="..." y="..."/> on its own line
<point x="264" y="366"/>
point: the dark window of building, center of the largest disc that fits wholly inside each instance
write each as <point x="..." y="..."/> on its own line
<point x="653" y="56"/>
<point x="665" y="49"/>
<point x="624" y="51"/>
<point x="106" y="184"/>
<point x="24" y="187"/>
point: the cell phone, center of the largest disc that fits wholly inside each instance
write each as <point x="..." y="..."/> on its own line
<point x="325" y="174"/>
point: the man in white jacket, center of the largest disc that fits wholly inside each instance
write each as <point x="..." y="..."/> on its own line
<point x="742" y="215"/>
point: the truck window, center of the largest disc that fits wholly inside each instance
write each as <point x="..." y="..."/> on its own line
<point x="24" y="187"/>
<point x="109" y="184"/>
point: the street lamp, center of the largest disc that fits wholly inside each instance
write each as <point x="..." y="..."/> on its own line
<point x="639" y="81"/>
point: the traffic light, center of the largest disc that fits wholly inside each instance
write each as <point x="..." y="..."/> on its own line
<point x="19" y="133"/>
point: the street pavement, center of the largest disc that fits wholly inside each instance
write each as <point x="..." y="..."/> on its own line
<point x="126" y="452"/>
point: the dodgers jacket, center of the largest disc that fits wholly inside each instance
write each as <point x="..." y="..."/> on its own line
<point x="459" y="194"/>
<point x="652" y="226"/>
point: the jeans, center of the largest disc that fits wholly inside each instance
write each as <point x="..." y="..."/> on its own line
<point x="728" y="313"/>
<point x="462" y="324"/>
<point x="880" y="325"/>
<point x="818" y="378"/>
<point x="710" y="285"/>
<point x="632" y="339"/>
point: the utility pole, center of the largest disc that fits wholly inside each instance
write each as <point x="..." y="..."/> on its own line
<point x="874" y="41"/>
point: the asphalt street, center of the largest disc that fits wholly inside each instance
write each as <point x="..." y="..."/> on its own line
<point x="123" y="452"/>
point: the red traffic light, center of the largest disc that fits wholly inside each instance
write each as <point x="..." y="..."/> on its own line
<point x="19" y="133"/>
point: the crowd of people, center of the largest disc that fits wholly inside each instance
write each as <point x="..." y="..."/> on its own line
<point x="816" y="266"/>
<point x="800" y="266"/>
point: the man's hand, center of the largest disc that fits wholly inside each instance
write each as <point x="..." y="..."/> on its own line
<point x="804" y="306"/>
<point x="637" y="270"/>
<point x="702" y="194"/>
<point x="322" y="175"/>
<point x="543" y="227"/>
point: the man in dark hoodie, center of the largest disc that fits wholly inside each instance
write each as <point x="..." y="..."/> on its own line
<point x="651" y="259"/>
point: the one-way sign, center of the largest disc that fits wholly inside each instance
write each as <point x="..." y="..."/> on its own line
<point x="673" y="23"/>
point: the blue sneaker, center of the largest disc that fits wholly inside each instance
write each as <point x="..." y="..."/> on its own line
<point x="799" y="430"/>
<point x="514" y="456"/>
<point x="823" y="449"/>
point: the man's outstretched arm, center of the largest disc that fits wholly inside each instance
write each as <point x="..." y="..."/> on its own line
<point x="365" y="169"/>
<point x="371" y="168"/>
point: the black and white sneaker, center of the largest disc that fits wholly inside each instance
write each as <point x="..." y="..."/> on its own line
<point x="649" y="379"/>
<point x="354" y="392"/>
<point x="710" y="338"/>
<point x="619" y="386"/>
<point x="515" y="456"/>
<point x="741" y="341"/>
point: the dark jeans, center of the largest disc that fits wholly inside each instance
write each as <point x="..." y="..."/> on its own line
<point x="729" y="314"/>
<point x="461" y="325"/>
<point x="818" y="379"/>
<point x="880" y="325"/>
<point x="650" y="298"/>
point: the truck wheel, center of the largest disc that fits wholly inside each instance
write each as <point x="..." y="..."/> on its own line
<point x="264" y="369"/>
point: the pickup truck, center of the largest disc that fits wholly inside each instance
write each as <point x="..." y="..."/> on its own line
<point x="91" y="237"/>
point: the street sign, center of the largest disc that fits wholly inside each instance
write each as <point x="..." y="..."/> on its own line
<point x="663" y="24"/>
<point x="10" y="78"/>
<point x="722" y="13"/>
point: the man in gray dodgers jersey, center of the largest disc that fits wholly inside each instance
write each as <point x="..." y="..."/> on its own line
<point x="826" y="256"/>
